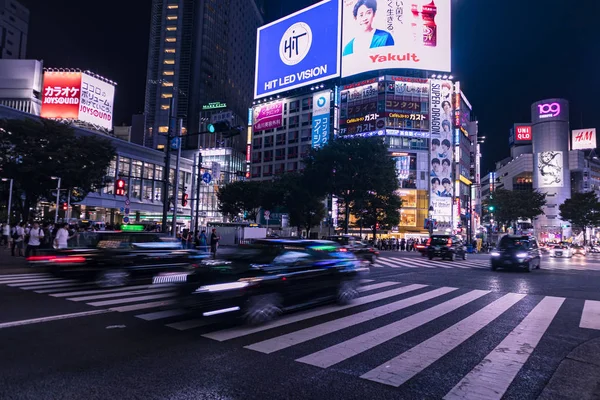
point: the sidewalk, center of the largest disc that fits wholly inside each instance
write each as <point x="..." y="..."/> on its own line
<point x="15" y="265"/>
<point x="577" y="376"/>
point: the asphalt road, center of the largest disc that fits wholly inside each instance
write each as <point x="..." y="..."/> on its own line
<point x="420" y="330"/>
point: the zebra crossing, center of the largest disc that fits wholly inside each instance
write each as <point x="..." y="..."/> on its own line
<point x="424" y="263"/>
<point x="335" y="337"/>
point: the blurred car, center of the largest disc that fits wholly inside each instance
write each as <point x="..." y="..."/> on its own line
<point x="446" y="247"/>
<point x="421" y="248"/>
<point x="578" y="250"/>
<point x="358" y="247"/>
<point x="516" y="252"/>
<point x="259" y="281"/>
<point x="594" y="249"/>
<point x="114" y="258"/>
<point x="561" y="250"/>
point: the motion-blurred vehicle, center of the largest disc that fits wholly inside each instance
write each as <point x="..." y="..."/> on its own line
<point x="258" y="282"/>
<point x="594" y="249"/>
<point x="359" y="247"/>
<point x="578" y="250"/>
<point x="115" y="258"/>
<point x="516" y="252"/>
<point x="446" y="247"/>
<point x="421" y="248"/>
<point x="561" y="250"/>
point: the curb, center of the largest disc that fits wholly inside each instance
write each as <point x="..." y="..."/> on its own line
<point x="577" y="376"/>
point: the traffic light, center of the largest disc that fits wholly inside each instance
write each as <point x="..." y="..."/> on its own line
<point x="65" y="206"/>
<point x="120" y="187"/>
<point x="184" y="200"/>
<point x="218" y="127"/>
<point x="491" y="208"/>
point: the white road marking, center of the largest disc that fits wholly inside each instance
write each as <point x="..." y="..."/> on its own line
<point x="491" y="378"/>
<point x="131" y="299"/>
<point x="408" y="364"/>
<point x="133" y="292"/>
<point x="388" y="264"/>
<point x="65" y="288"/>
<point x="366" y="280"/>
<point x="52" y="318"/>
<point x="232" y="333"/>
<point x="28" y="285"/>
<point x="377" y="286"/>
<point x="590" y="317"/>
<point x="54" y="286"/>
<point x="19" y="282"/>
<point x="282" y="342"/>
<point x="352" y="347"/>
<point x="98" y="291"/>
<point x="23" y="276"/>
<point x="143" y="306"/>
<point x="161" y="314"/>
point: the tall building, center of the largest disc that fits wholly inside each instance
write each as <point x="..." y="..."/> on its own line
<point x="14" y="24"/>
<point x="200" y="52"/>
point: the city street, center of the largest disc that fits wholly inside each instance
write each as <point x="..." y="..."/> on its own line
<point x="419" y="330"/>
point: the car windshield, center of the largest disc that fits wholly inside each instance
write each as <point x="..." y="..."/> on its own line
<point x="343" y="240"/>
<point x="119" y="240"/>
<point x="439" y="240"/>
<point x="513" y="243"/>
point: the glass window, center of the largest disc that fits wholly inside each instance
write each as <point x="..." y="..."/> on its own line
<point x="158" y="192"/>
<point x="148" y="190"/>
<point x="171" y="17"/>
<point x="166" y="96"/>
<point x="169" y="62"/>
<point x="136" y="169"/>
<point x="168" y="73"/>
<point x="124" y="166"/>
<point x="294" y="106"/>
<point x="148" y="171"/>
<point x="170" y="51"/>
<point x="167" y="84"/>
<point x="158" y="174"/>
<point x="112" y="169"/>
<point x="171" y="28"/>
<point x="170" y="40"/>
<point x="136" y="188"/>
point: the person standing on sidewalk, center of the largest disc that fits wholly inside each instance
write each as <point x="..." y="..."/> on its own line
<point x="17" y="237"/>
<point x="62" y="236"/>
<point x="6" y="234"/>
<point x="214" y="242"/>
<point x="36" y="235"/>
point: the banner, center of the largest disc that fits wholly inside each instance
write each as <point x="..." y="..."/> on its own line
<point x="583" y="139"/>
<point x="269" y="116"/>
<point x="61" y="95"/>
<point x="550" y="169"/>
<point x="320" y="118"/>
<point x="441" y="149"/>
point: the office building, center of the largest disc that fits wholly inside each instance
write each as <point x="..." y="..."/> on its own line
<point x="14" y="24"/>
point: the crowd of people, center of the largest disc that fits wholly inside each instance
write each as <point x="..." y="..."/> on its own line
<point x="395" y="244"/>
<point x="25" y="239"/>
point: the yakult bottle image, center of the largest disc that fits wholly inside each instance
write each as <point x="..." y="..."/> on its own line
<point x="429" y="27"/>
<point x="416" y="27"/>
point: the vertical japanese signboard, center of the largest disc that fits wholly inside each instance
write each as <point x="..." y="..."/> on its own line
<point x="320" y="118"/>
<point x="97" y="100"/>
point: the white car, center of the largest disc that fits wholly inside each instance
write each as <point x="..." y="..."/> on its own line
<point x="561" y="251"/>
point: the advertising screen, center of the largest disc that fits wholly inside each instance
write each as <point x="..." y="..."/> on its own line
<point x="298" y="50"/>
<point x="442" y="148"/>
<point x="550" y="169"/>
<point x="522" y="134"/>
<point x="268" y="116"/>
<point x="320" y="119"/>
<point x="583" y="139"/>
<point x="61" y="94"/>
<point x="97" y="101"/>
<point x="381" y="34"/>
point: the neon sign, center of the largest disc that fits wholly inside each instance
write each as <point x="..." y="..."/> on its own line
<point x="549" y="110"/>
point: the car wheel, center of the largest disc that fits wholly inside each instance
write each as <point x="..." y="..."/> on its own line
<point x="452" y="257"/>
<point x="494" y="267"/>
<point x="346" y="292"/>
<point x="430" y="257"/>
<point x="261" y="309"/>
<point x="112" y="278"/>
<point x="529" y="267"/>
<point x="464" y="256"/>
<point x="373" y="259"/>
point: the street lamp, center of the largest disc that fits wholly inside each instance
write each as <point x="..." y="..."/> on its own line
<point x="9" y="197"/>
<point x="430" y="221"/>
<point x="54" y="178"/>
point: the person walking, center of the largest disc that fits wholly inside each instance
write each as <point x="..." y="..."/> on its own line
<point x="5" y="234"/>
<point x="36" y="235"/>
<point x="214" y="242"/>
<point x="203" y="241"/>
<point x="18" y="237"/>
<point x="62" y="236"/>
<point x="185" y="239"/>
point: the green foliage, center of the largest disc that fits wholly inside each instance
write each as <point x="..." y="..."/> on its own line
<point x="31" y="152"/>
<point x="510" y="206"/>
<point x="305" y="205"/>
<point x="582" y="210"/>
<point x="373" y="209"/>
<point x="241" y="197"/>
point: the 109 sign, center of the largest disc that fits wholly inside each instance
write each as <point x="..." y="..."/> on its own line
<point x="549" y="110"/>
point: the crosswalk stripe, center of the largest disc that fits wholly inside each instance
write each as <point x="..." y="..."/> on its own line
<point x="281" y="342"/>
<point x="352" y="347"/>
<point x="131" y="300"/>
<point x="388" y="264"/>
<point x="73" y="285"/>
<point x="42" y="285"/>
<point x="400" y="369"/>
<point x="25" y="281"/>
<point x="13" y="276"/>
<point x="98" y="291"/>
<point x="232" y="333"/>
<point x="119" y="294"/>
<point x="144" y="306"/>
<point x="65" y="288"/>
<point x="161" y="314"/>
<point x="491" y="378"/>
<point x="366" y="280"/>
<point x="377" y="286"/>
<point x="590" y="317"/>
<point x="397" y="261"/>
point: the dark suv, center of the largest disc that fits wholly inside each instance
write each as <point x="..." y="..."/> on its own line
<point x="516" y="251"/>
<point x="361" y="249"/>
<point x="446" y="247"/>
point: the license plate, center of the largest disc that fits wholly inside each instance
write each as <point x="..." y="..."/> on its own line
<point x="169" y="278"/>
<point x="507" y="262"/>
<point x="559" y="253"/>
<point x="437" y="248"/>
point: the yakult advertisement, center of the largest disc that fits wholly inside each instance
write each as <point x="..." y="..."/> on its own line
<point x="442" y="149"/>
<point x="269" y="116"/>
<point x="381" y="34"/>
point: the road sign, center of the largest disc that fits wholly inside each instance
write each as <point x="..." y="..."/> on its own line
<point x="267" y="214"/>
<point x="206" y="178"/>
<point x="126" y="220"/>
<point x="127" y="211"/>
<point x="175" y="143"/>
<point x="122" y="209"/>
<point x="127" y="202"/>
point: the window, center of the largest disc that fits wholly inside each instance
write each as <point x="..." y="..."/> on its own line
<point x="124" y="166"/>
<point x="294" y="106"/>
<point x="160" y="147"/>
<point x="169" y="62"/>
<point x="148" y="190"/>
<point x="172" y="6"/>
<point x="158" y="174"/>
<point x="136" y="189"/>
<point x="292" y="137"/>
<point x="171" y="17"/>
<point x="172" y="51"/>
<point x="163" y="129"/>
<point x="170" y="40"/>
<point x="280" y="139"/>
<point x="158" y="193"/>
<point x="166" y="95"/>
<point x="171" y="28"/>
<point x="136" y="169"/>
<point x="167" y="84"/>
<point x="165" y="107"/>
<point x="257" y="143"/>
<point x="168" y="73"/>
<point x="292" y="152"/>
<point x="148" y="171"/>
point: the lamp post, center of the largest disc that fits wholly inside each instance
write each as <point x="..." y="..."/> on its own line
<point x="430" y="221"/>
<point x="57" y="198"/>
<point x="9" y="198"/>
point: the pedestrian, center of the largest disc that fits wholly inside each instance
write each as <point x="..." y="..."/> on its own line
<point x="203" y="241"/>
<point x="62" y="236"/>
<point x="214" y="242"/>
<point x="18" y="236"/>
<point x="185" y="239"/>
<point x="5" y="234"/>
<point x="36" y="235"/>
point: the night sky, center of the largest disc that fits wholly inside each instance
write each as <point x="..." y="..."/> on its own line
<point x="507" y="54"/>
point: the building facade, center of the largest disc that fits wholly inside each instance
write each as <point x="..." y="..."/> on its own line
<point x="21" y="85"/>
<point x="14" y="27"/>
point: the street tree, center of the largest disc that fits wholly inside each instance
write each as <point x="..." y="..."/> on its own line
<point x="373" y="210"/>
<point x="304" y="202"/>
<point x="582" y="210"/>
<point x="510" y="206"/>
<point x="31" y="152"/>
<point x="241" y="197"/>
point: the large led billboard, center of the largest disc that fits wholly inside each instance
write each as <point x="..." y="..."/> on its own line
<point x="78" y="96"/>
<point x="300" y="49"/>
<point x="550" y="169"/>
<point x="381" y="34"/>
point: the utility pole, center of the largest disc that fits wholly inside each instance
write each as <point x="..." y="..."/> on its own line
<point x="167" y="170"/>
<point x="176" y="185"/>
<point x="198" y="184"/>
<point x="193" y="200"/>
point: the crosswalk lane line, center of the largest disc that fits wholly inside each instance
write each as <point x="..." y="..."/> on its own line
<point x="387" y="264"/>
<point x="491" y="378"/>
<point x="119" y="294"/>
<point x="42" y="285"/>
<point x="13" y="276"/>
<point x="65" y="288"/>
<point x="359" y="344"/>
<point x="162" y="314"/>
<point x="397" y="263"/>
<point x="282" y="342"/>
<point x="131" y="300"/>
<point x="590" y="317"/>
<point x="25" y="281"/>
<point x="73" y="285"/>
<point x="144" y="306"/>
<point x="377" y="286"/>
<point x="232" y="333"/>
<point x="400" y="369"/>
<point x="98" y="291"/>
<point x="366" y="280"/>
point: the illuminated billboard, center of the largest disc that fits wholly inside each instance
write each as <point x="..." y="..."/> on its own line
<point x="268" y="116"/>
<point x="550" y="110"/>
<point x="522" y="133"/>
<point x="582" y="139"/>
<point x="300" y="49"/>
<point x="78" y="96"/>
<point x="379" y="34"/>
<point x="550" y="169"/>
<point x="320" y="118"/>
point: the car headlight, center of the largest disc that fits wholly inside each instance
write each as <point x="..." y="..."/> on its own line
<point x="521" y="255"/>
<point x="495" y="254"/>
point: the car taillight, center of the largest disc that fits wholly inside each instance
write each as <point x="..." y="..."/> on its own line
<point x="343" y="249"/>
<point x="449" y="242"/>
<point x="429" y="242"/>
<point x="68" y="260"/>
<point x="40" y="258"/>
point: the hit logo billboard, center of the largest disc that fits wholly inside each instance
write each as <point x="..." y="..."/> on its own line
<point x="300" y="49"/>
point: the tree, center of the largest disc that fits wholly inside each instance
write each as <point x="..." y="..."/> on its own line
<point x="581" y="210"/>
<point x="31" y="152"/>
<point x="510" y="206"/>
<point x="373" y="210"/>
<point x="241" y="197"/>
<point x="303" y="201"/>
